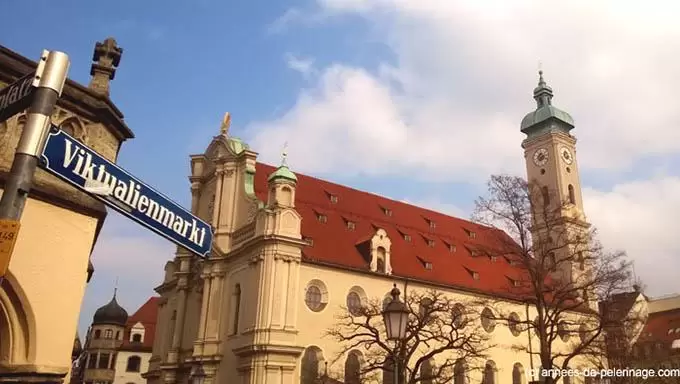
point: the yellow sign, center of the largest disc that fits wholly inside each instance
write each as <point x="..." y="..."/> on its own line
<point x="9" y="231"/>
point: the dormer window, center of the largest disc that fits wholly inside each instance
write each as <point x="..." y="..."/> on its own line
<point x="470" y="234"/>
<point x="426" y="264"/>
<point x="136" y="338"/>
<point x="473" y="252"/>
<point x="322" y="218"/>
<point x="407" y="237"/>
<point x="387" y="211"/>
<point x="351" y="225"/>
<point x="431" y="223"/>
<point x="452" y="247"/>
<point x="308" y="240"/>
<point x="430" y="243"/>
<point x="334" y="199"/>
<point x="493" y="258"/>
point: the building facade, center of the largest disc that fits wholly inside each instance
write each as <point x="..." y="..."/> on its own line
<point x="117" y="347"/>
<point x="291" y="251"/>
<point x="66" y="222"/>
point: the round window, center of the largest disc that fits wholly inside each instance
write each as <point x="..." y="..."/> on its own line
<point x="354" y="303"/>
<point x="313" y="298"/>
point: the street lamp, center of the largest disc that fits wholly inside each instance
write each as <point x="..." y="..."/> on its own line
<point x="198" y="375"/>
<point x="395" y="316"/>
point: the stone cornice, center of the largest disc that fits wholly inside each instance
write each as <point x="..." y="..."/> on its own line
<point x="256" y="349"/>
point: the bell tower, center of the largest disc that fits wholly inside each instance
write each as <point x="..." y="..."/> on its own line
<point x="552" y="171"/>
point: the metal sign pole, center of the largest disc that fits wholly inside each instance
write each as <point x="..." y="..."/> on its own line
<point x="50" y="77"/>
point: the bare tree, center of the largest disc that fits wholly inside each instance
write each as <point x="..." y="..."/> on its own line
<point x="439" y="329"/>
<point x="562" y="270"/>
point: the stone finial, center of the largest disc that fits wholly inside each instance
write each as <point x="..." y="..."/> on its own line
<point x="106" y="58"/>
<point x="226" y="123"/>
<point x="284" y="155"/>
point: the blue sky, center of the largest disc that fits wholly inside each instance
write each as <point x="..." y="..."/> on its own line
<point x="417" y="101"/>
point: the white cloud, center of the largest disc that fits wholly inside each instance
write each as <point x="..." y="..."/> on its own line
<point x="639" y="217"/>
<point x="303" y="65"/>
<point x="125" y="249"/>
<point x="451" y="103"/>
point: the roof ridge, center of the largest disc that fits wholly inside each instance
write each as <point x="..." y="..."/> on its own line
<point x="304" y="175"/>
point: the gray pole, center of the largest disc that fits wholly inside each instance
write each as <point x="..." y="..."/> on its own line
<point x="32" y="139"/>
<point x="20" y="180"/>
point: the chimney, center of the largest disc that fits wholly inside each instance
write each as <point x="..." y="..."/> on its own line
<point x="106" y="58"/>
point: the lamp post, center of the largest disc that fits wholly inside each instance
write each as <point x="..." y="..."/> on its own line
<point x="395" y="316"/>
<point x="198" y="375"/>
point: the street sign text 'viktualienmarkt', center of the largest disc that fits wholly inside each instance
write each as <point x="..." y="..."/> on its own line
<point x="81" y="166"/>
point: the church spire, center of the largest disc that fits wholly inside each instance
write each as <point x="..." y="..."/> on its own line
<point x="546" y="117"/>
<point x="543" y="94"/>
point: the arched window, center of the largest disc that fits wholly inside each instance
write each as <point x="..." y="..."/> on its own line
<point x="108" y="334"/>
<point x="353" y="368"/>
<point x="137" y="338"/>
<point x="133" y="364"/>
<point x="426" y="372"/>
<point x="237" y="308"/>
<point x="380" y="263"/>
<point x="489" y="373"/>
<point x="459" y="373"/>
<point x="518" y="374"/>
<point x="97" y="334"/>
<point x="572" y="197"/>
<point x="312" y="360"/>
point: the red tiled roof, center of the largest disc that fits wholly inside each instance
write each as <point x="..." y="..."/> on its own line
<point x="658" y="325"/>
<point x="146" y="314"/>
<point x="337" y="245"/>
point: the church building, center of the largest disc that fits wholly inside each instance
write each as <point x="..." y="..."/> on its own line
<point x="290" y="250"/>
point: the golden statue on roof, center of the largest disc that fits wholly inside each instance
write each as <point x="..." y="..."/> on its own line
<point x="226" y="122"/>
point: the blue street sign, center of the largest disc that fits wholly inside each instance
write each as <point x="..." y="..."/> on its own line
<point x="72" y="161"/>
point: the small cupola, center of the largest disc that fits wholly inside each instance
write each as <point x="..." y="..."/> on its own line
<point x="282" y="183"/>
<point x="112" y="313"/>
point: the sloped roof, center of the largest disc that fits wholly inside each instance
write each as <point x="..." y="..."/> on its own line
<point x="146" y="314"/>
<point x="334" y="243"/>
<point x="658" y="326"/>
<point x="619" y="305"/>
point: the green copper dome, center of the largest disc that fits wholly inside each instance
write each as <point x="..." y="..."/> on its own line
<point x="536" y="121"/>
<point x="237" y="145"/>
<point x="283" y="173"/>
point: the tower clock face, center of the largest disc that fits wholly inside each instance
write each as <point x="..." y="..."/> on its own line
<point x="566" y="155"/>
<point x="541" y="157"/>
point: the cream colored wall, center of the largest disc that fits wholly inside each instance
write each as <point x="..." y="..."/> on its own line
<point x="664" y="304"/>
<point x="49" y="268"/>
<point x="312" y="325"/>
<point x="123" y="377"/>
